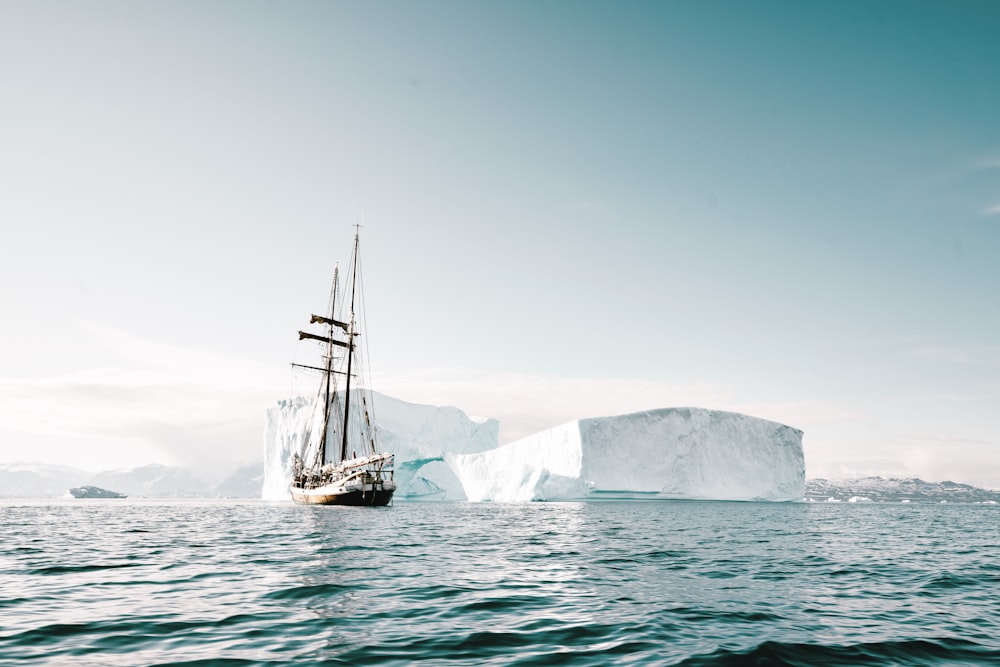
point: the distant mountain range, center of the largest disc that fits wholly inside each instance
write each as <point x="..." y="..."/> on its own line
<point x="41" y="480"/>
<point x="879" y="490"/>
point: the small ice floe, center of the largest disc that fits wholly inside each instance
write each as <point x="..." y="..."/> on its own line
<point x="831" y="499"/>
<point x="905" y="500"/>
<point x="859" y="499"/>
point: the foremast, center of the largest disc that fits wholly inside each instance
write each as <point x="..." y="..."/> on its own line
<point x="329" y="365"/>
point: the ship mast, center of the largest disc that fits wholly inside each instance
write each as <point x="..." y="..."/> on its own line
<point x="329" y="366"/>
<point x="350" y="347"/>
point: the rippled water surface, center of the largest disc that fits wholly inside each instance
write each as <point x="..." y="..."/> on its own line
<point x="662" y="583"/>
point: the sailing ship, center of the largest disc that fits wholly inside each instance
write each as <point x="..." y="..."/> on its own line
<point x="330" y="469"/>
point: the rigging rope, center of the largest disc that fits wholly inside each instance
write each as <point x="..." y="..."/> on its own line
<point x="373" y="431"/>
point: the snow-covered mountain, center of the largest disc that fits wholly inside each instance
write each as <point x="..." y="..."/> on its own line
<point x="893" y="490"/>
<point x="688" y="453"/>
<point x="153" y="481"/>
<point x="38" y="480"/>
<point x="244" y="482"/>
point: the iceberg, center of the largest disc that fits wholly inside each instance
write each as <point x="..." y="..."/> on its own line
<point x="88" y="491"/>
<point x="419" y="436"/>
<point x="681" y="453"/>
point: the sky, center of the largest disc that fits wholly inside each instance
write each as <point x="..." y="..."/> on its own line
<point x="568" y="209"/>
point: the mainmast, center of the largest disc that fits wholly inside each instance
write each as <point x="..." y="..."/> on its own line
<point x="350" y="346"/>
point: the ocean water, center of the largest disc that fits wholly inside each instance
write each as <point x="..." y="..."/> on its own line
<point x="134" y="582"/>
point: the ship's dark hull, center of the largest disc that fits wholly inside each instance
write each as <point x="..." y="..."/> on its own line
<point x="353" y="498"/>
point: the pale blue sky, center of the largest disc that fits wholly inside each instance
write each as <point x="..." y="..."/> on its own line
<point x="790" y="209"/>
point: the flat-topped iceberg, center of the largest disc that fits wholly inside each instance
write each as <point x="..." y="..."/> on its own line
<point x="688" y="453"/>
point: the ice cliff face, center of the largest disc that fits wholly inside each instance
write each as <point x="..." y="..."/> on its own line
<point x="687" y="453"/>
<point x="419" y="436"/>
<point x="285" y="428"/>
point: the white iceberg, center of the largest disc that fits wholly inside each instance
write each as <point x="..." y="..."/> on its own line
<point x="688" y="453"/>
<point x="418" y="435"/>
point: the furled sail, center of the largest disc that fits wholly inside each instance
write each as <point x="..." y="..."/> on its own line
<point x="319" y="319"/>
<point x="322" y="339"/>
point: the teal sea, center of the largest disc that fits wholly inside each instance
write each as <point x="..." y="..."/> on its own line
<point x="145" y="582"/>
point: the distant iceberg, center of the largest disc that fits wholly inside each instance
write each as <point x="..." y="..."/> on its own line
<point x="682" y="453"/>
<point x="94" y="492"/>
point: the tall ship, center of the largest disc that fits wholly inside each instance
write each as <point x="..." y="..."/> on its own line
<point x="341" y="462"/>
